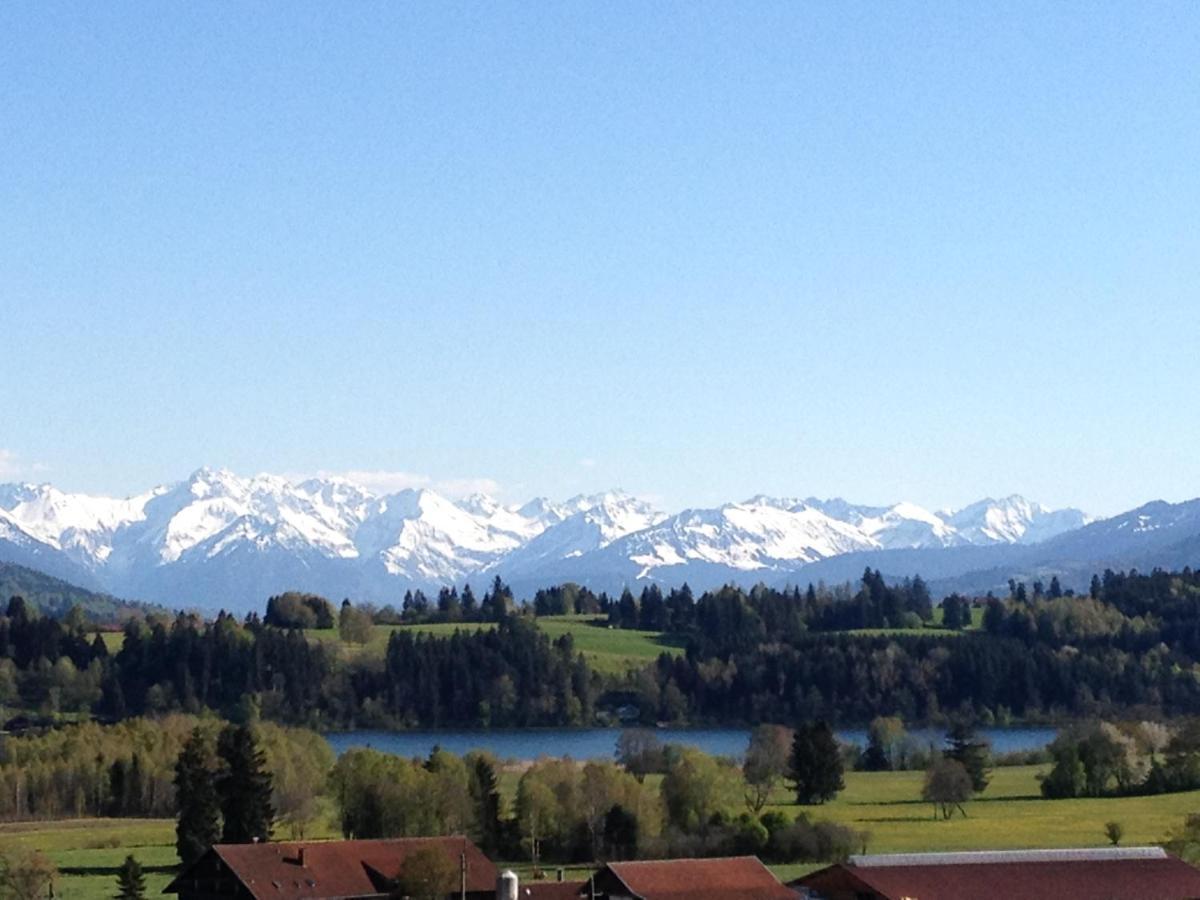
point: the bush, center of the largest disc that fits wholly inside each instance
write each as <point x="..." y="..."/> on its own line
<point x="805" y="841"/>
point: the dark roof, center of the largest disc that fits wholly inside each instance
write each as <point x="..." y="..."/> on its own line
<point x="337" y="868"/>
<point x="1086" y="875"/>
<point x="551" y="890"/>
<point x="729" y="878"/>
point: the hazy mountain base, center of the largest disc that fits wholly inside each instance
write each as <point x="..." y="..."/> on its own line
<point x="1157" y="535"/>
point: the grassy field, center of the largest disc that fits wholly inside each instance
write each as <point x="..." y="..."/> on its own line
<point x="113" y="640"/>
<point x="1008" y="815"/>
<point x="88" y="852"/>
<point x="607" y="649"/>
<point x="610" y="649"/>
<point x="933" y="627"/>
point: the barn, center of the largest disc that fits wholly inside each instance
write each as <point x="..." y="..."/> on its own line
<point x="1136" y="873"/>
<point x="323" y="869"/>
<point x="729" y="878"/>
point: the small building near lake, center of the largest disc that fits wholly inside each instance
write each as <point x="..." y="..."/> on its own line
<point x="1134" y="873"/>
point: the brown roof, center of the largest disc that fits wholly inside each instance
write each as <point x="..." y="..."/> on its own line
<point x="1167" y="878"/>
<point x="551" y="890"/>
<point x="730" y="878"/>
<point x="338" y="868"/>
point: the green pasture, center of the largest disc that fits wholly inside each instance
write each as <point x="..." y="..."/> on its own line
<point x="88" y="852"/>
<point x="930" y="628"/>
<point x="610" y="650"/>
<point x="607" y="649"/>
<point x="1009" y="815"/>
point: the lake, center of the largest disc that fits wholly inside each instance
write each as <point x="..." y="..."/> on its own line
<point x="601" y="743"/>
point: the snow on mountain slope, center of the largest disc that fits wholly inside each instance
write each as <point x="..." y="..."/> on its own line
<point x="423" y="536"/>
<point x="216" y="537"/>
<point x="587" y="523"/>
<point x="902" y="525"/>
<point x="79" y="524"/>
<point x="1012" y="520"/>
<point x="758" y="534"/>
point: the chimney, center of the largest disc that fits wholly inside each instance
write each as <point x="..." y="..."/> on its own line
<point x="560" y="874"/>
<point x="300" y="857"/>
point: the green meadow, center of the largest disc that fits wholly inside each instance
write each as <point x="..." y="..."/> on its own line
<point x="609" y="650"/>
<point x="1009" y="815"/>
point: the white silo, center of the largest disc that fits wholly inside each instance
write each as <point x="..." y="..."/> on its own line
<point x="507" y="886"/>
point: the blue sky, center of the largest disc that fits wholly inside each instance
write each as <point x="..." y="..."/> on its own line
<point x="883" y="251"/>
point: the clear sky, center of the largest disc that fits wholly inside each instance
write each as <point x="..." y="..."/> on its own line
<point x="885" y="251"/>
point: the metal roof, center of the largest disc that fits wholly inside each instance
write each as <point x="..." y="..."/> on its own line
<point x="975" y="857"/>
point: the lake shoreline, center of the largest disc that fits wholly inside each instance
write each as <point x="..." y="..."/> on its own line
<point x="527" y="744"/>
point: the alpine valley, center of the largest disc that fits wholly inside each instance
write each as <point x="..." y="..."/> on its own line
<point x="219" y="540"/>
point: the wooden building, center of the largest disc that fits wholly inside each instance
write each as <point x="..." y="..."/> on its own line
<point x="315" y="870"/>
<point x="1136" y="873"/>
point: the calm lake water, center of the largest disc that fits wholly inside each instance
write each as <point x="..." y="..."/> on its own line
<point x="601" y="743"/>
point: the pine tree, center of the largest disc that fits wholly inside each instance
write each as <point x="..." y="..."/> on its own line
<point x="198" y="826"/>
<point x="131" y="884"/>
<point x="134" y="787"/>
<point x="816" y="763"/>
<point x="485" y="795"/>
<point x="244" y="787"/>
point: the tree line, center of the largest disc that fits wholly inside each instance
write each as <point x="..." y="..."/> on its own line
<point x="751" y="656"/>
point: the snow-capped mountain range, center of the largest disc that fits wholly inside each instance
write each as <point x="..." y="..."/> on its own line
<point x="217" y="539"/>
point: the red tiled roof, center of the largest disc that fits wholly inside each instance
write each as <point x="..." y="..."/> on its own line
<point x="730" y="878"/>
<point x="273" y="871"/>
<point x="1117" y="879"/>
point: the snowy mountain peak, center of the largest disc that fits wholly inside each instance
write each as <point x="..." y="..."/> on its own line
<point x="1012" y="520"/>
<point x="217" y="537"/>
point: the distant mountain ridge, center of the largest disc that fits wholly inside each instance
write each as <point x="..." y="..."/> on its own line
<point x="54" y="596"/>
<point x="219" y="540"/>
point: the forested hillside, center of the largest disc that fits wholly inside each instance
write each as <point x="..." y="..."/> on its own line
<point x="1130" y="644"/>
<point x="54" y="597"/>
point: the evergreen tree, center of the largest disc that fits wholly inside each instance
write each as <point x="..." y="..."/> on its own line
<point x="244" y="787"/>
<point x="117" y="788"/>
<point x="816" y="763"/>
<point x="134" y="787"/>
<point x="198" y="825"/>
<point x="920" y="601"/>
<point x="131" y="884"/>
<point x="970" y="750"/>
<point x="956" y="612"/>
<point x="620" y="833"/>
<point x="485" y="795"/>
<point x="470" y="606"/>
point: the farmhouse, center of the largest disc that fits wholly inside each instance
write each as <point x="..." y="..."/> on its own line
<point x="318" y="870"/>
<point x="1106" y="874"/>
<point x="369" y="870"/>
<point x="732" y="878"/>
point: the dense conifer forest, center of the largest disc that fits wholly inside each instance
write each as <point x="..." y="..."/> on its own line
<point x="1129" y="646"/>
